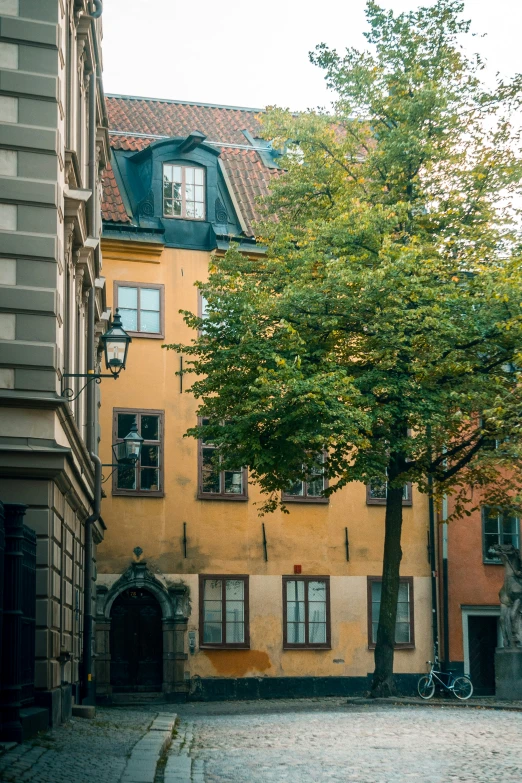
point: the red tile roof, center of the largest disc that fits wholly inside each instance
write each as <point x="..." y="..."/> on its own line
<point x="130" y="117"/>
<point x="112" y="205"/>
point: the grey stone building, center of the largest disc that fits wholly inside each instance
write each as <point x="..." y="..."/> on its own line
<point x="53" y="150"/>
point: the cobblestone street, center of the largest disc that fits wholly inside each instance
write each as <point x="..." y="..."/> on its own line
<point x="305" y="741"/>
<point x="312" y="742"/>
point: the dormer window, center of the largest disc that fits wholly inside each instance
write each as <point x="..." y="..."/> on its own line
<point x="183" y="192"/>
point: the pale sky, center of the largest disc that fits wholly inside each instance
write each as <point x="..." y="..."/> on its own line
<point x="255" y="54"/>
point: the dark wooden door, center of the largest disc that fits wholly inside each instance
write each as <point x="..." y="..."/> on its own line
<point x="482" y="635"/>
<point x="136" y="642"/>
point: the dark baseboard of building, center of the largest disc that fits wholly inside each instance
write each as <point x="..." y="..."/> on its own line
<point x="33" y="720"/>
<point x="225" y="689"/>
<point x="58" y="703"/>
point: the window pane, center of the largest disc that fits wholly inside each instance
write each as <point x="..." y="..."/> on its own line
<point x="168" y="207"/>
<point x="149" y="480"/>
<point x="190" y="209"/>
<point x="491" y="521"/>
<point x="402" y="633"/>
<point x="199" y="193"/>
<point x="375" y="625"/>
<point x="150" y="427"/>
<point x="235" y="590"/>
<point x="212" y="589"/>
<point x="296" y="489"/>
<point x="295" y="633"/>
<point x="210" y="476"/>
<point x="406" y="492"/>
<point x="212" y="633"/>
<point x="315" y="487"/>
<point x="212" y="612"/>
<point x="295" y="611"/>
<point x="235" y="633"/>
<point x="129" y="319"/>
<point x="150" y="299"/>
<point x="404" y="591"/>
<point x="234" y="482"/>
<point x="376" y="591"/>
<point x="510" y="525"/>
<point x="149" y="456"/>
<point x="189" y="175"/>
<point x="317" y="591"/>
<point x="167" y="173"/>
<point x="317" y="612"/>
<point x="189" y="192"/>
<point x="125" y="423"/>
<point x="176" y="191"/>
<point x="127" y="297"/>
<point x="378" y="490"/>
<point x="403" y="613"/>
<point x="176" y="176"/>
<point x="176" y="208"/>
<point x="317" y="633"/>
<point x="491" y="540"/>
<point x="167" y="190"/>
<point x="198" y="176"/>
<point x="199" y="210"/>
<point x="295" y="590"/>
<point x="234" y="611"/>
<point x="149" y="321"/>
<point x="126" y="477"/>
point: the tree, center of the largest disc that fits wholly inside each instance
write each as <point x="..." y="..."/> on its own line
<point x="383" y="326"/>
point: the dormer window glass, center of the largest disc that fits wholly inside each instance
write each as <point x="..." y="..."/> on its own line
<point x="183" y="192"/>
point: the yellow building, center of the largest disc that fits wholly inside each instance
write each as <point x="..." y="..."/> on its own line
<point x="197" y="595"/>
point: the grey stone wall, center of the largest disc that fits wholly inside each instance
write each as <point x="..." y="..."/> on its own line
<point x="50" y="51"/>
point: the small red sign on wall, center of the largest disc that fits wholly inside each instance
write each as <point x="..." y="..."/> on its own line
<point x="297" y="569"/>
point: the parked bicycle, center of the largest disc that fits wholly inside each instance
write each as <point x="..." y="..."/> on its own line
<point x="460" y="685"/>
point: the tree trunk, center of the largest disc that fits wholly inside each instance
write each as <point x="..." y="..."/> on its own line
<point x="383" y="684"/>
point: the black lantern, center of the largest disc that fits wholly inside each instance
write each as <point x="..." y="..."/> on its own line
<point x="128" y="451"/>
<point x="115" y="345"/>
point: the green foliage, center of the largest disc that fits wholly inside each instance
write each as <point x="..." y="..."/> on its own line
<point x="386" y="315"/>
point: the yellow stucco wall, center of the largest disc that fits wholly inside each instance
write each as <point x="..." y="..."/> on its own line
<point x="225" y="537"/>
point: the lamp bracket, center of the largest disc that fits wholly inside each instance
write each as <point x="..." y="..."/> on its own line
<point x="69" y="394"/>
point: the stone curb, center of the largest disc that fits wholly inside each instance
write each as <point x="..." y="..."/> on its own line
<point x="141" y="766"/>
<point x="411" y="702"/>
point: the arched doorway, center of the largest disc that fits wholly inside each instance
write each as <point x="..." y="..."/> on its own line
<point x="136" y="642"/>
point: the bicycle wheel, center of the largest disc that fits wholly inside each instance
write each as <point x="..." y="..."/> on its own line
<point x="462" y="688"/>
<point x="426" y="687"/>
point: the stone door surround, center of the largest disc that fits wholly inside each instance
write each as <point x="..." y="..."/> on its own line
<point x="174" y="603"/>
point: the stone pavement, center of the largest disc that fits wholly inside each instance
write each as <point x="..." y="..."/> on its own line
<point x="118" y="745"/>
<point x="330" y="741"/>
<point x="287" y="741"/>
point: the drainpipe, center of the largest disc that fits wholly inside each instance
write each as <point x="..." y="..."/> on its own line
<point x="445" y="593"/>
<point x="433" y="567"/>
<point x="91" y="302"/>
<point x="98" y="9"/>
<point x="89" y="694"/>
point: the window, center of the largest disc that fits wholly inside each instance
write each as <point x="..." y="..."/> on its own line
<point x="377" y="491"/>
<point x="141" y="307"/>
<point x="223" y="611"/>
<point x="308" y="491"/>
<point x="498" y="528"/>
<point x="215" y="484"/>
<point x="146" y="477"/>
<point x="404" y="628"/>
<point x="183" y="192"/>
<point x="306" y="612"/>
